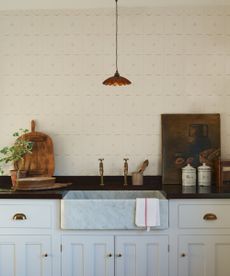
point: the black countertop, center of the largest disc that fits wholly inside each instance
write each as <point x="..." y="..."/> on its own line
<point x="113" y="183"/>
<point x="179" y="192"/>
<point x="51" y="194"/>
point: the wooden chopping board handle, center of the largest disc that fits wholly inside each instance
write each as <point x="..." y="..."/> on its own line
<point x="32" y="126"/>
<point x="41" y="161"/>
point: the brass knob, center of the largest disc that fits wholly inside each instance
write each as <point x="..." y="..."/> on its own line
<point x="210" y="216"/>
<point x="119" y="255"/>
<point x="183" y="255"/>
<point x="110" y="255"/>
<point x="19" y="216"/>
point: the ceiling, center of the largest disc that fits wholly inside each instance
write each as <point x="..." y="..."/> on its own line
<point x="85" y="4"/>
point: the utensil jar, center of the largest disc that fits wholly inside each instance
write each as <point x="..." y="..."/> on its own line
<point x="137" y="179"/>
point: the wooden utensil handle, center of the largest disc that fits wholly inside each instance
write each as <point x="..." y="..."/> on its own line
<point x="144" y="166"/>
<point x="33" y="126"/>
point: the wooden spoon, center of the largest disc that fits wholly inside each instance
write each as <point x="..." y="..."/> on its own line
<point x="144" y="166"/>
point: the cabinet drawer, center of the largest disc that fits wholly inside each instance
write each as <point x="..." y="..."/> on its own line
<point x="204" y="215"/>
<point x="25" y="216"/>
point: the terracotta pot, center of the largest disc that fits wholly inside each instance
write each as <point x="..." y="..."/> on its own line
<point x="15" y="174"/>
<point x="22" y="174"/>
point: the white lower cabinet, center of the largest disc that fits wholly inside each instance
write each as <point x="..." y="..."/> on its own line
<point x="200" y="237"/>
<point x="25" y="255"/>
<point x="141" y="255"/>
<point x="87" y="255"/>
<point x="197" y="243"/>
<point x="29" y="238"/>
<point x="204" y="255"/>
<point x="119" y="255"/>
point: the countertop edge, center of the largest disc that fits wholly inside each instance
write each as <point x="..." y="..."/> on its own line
<point x="172" y="191"/>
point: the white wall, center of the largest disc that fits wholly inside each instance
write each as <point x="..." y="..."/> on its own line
<point x="92" y="4"/>
<point x="52" y="64"/>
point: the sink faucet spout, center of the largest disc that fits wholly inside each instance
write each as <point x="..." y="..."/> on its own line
<point x="101" y="171"/>
<point x="126" y="170"/>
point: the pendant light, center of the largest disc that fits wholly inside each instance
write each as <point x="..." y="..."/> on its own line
<point x="116" y="80"/>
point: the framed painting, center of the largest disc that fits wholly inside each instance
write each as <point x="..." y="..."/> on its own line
<point x="188" y="139"/>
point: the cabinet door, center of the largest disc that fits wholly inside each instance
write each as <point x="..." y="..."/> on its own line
<point x="141" y="256"/>
<point x="87" y="255"/>
<point x="25" y="255"/>
<point x="204" y="255"/>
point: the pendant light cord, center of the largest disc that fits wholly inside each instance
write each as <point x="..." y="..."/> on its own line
<point x="116" y="79"/>
<point x="116" y="36"/>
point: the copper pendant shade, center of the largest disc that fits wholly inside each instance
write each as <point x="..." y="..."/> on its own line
<point x="117" y="79"/>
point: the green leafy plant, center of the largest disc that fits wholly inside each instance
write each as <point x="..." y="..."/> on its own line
<point x="17" y="151"/>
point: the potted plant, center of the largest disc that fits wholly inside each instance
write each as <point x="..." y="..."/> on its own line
<point x="14" y="153"/>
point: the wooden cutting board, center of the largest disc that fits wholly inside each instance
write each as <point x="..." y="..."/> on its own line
<point x="41" y="161"/>
<point x="47" y="187"/>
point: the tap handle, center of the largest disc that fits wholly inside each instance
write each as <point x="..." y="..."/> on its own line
<point x="126" y="159"/>
<point x="101" y="168"/>
<point x="126" y="164"/>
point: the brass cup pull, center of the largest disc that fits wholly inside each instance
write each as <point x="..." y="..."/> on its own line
<point x="210" y="216"/>
<point x="19" y="216"/>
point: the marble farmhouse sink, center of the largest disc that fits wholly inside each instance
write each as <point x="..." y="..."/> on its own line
<point x="111" y="210"/>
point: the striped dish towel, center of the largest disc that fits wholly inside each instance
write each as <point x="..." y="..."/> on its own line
<point x="147" y="212"/>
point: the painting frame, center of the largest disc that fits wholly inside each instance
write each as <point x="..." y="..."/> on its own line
<point x="188" y="139"/>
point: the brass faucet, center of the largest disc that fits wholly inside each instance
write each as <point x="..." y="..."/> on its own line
<point x="101" y="171"/>
<point x="126" y="170"/>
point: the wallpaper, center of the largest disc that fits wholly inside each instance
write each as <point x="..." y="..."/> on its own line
<point x="53" y="62"/>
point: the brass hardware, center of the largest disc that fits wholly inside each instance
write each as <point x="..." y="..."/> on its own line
<point x="19" y="216"/>
<point x="210" y="216"/>
<point x="183" y="255"/>
<point x="110" y="255"/>
<point x="119" y="255"/>
<point x="126" y="170"/>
